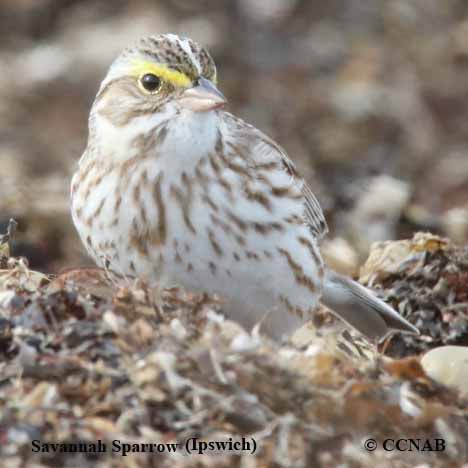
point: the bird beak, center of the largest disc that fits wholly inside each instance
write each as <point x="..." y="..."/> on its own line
<point x="204" y="96"/>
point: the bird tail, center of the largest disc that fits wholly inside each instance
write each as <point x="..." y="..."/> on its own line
<point x="357" y="306"/>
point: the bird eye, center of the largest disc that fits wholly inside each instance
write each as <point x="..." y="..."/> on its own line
<point x="150" y="82"/>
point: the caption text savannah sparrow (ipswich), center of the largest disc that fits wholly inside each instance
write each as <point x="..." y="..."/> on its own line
<point x="194" y="445"/>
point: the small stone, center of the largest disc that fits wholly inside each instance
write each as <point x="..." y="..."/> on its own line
<point x="449" y="366"/>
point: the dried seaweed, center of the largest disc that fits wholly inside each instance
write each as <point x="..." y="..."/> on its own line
<point x="125" y="362"/>
<point x="426" y="279"/>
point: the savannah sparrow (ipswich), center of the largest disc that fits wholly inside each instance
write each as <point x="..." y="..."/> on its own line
<point x="174" y="189"/>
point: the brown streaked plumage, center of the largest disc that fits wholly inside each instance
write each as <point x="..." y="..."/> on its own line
<point x="174" y="189"/>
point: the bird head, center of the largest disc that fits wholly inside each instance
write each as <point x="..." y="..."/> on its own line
<point x="164" y="73"/>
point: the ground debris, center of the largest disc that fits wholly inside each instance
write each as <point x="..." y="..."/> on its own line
<point x="87" y="358"/>
<point x="426" y="280"/>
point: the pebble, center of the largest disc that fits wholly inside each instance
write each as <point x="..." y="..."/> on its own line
<point x="449" y="366"/>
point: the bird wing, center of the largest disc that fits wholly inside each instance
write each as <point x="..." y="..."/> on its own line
<point x="312" y="209"/>
<point x="260" y="150"/>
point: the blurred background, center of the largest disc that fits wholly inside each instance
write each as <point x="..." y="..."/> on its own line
<point x="369" y="98"/>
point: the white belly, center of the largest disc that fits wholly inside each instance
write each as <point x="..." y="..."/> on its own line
<point x="204" y="228"/>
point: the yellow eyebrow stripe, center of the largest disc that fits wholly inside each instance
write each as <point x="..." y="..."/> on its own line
<point x="141" y="67"/>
